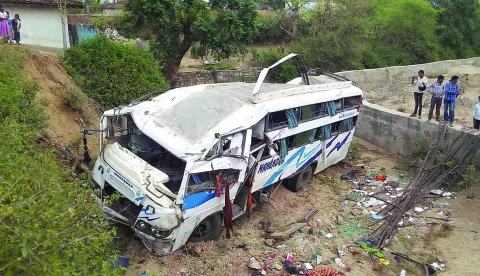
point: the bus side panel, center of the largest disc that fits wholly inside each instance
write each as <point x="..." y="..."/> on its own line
<point x="272" y="170"/>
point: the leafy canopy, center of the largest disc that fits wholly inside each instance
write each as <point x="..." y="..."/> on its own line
<point x="218" y="28"/>
<point x="111" y="73"/>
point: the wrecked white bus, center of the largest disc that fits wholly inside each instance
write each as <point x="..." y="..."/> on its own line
<point x="174" y="156"/>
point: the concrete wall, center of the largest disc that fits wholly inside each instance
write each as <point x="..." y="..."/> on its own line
<point x="205" y="77"/>
<point x="41" y="25"/>
<point x="388" y="73"/>
<point x="396" y="132"/>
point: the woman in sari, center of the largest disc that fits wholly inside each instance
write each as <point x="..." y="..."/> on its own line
<point x="4" y="27"/>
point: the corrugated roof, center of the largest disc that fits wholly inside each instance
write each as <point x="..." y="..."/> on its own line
<point x="52" y="3"/>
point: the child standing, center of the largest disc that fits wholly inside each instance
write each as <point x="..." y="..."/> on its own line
<point x="16" y="25"/>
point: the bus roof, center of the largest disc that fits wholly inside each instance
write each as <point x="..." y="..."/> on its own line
<point x="185" y="120"/>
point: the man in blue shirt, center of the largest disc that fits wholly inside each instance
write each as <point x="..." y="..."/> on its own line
<point x="452" y="89"/>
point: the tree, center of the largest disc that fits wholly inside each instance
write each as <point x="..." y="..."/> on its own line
<point x="218" y="28"/>
<point x="460" y="27"/>
<point x="405" y="31"/>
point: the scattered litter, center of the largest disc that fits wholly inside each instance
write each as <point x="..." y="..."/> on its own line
<point x="339" y="262"/>
<point x="384" y="261"/>
<point x="289" y="257"/>
<point x="403" y="272"/>
<point x="448" y="194"/>
<point x="381" y="178"/>
<point x="438" y="266"/>
<point x="376" y="217"/>
<point x="375" y="183"/>
<point x="254" y="264"/>
<point x="319" y="259"/>
<point x="121" y="262"/>
<point x="372" y="202"/>
<point x="277" y="265"/>
<point x="436" y="192"/>
<point x="371" y="250"/>
<point x="369" y="176"/>
<point x="398" y="189"/>
<point x="329" y="235"/>
<point x="308" y="266"/>
<point x="418" y="209"/>
<point x="392" y="181"/>
<point x="408" y="236"/>
<point x="470" y="195"/>
<point x="350" y="176"/>
<point x="263" y="272"/>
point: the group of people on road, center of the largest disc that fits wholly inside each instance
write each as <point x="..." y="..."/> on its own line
<point x="9" y="27"/>
<point x="440" y="92"/>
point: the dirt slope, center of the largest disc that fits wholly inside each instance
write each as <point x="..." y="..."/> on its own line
<point x="47" y="71"/>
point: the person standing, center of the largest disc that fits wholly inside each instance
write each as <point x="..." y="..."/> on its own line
<point x="452" y="89"/>
<point x="16" y="25"/>
<point x="476" y="115"/>
<point x="4" y="27"/>
<point x="420" y="83"/>
<point x="436" y="89"/>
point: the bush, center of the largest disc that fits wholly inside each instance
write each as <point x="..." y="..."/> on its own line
<point x="75" y="99"/>
<point x="111" y="73"/>
<point x="269" y="27"/>
<point x="282" y="73"/>
<point x="49" y="224"/>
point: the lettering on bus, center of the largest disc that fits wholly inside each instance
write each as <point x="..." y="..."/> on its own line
<point x="344" y="115"/>
<point x="124" y="181"/>
<point x="272" y="164"/>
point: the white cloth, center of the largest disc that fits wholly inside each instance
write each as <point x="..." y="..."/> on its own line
<point x="419" y="82"/>
<point x="3" y="15"/>
<point x="476" y="112"/>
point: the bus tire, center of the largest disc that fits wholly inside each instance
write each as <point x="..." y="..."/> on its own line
<point x="303" y="178"/>
<point x="208" y="229"/>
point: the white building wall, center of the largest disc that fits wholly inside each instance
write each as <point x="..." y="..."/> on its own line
<point x="41" y="25"/>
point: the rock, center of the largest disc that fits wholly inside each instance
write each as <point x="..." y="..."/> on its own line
<point x="269" y="242"/>
<point x="339" y="219"/>
<point x="356" y="212"/>
<point x="254" y="264"/>
<point x="354" y="250"/>
<point x="377" y="208"/>
<point x="376" y="266"/>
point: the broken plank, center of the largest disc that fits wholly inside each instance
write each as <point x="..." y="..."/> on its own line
<point x="286" y="231"/>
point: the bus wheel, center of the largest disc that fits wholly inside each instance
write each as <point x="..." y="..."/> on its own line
<point x="297" y="182"/>
<point x="208" y="229"/>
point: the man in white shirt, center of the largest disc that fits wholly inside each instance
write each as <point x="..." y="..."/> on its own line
<point x="476" y="115"/>
<point x="420" y="83"/>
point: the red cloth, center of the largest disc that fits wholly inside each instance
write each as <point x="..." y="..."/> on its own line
<point x="227" y="210"/>
<point x="219" y="185"/>
<point x="250" y="198"/>
<point x="323" y="271"/>
<point x="381" y="177"/>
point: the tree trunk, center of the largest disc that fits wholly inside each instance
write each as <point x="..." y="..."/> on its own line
<point x="171" y="70"/>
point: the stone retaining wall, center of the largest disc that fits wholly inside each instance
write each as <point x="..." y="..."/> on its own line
<point x="207" y="77"/>
<point x="396" y="132"/>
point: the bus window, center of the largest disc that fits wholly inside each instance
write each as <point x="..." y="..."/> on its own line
<point x="355" y="121"/>
<point x="320" y="110"/>
<point x="352" y="102"/>
<point x="277" y="120"/>
<point x="339" y="105"/>
<point x="346" y="125"/>
<point x="308" y="113"/>
<point x="305" y="137"/>
<point x="324" y="133"/>
<point x="336" y="128"/>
